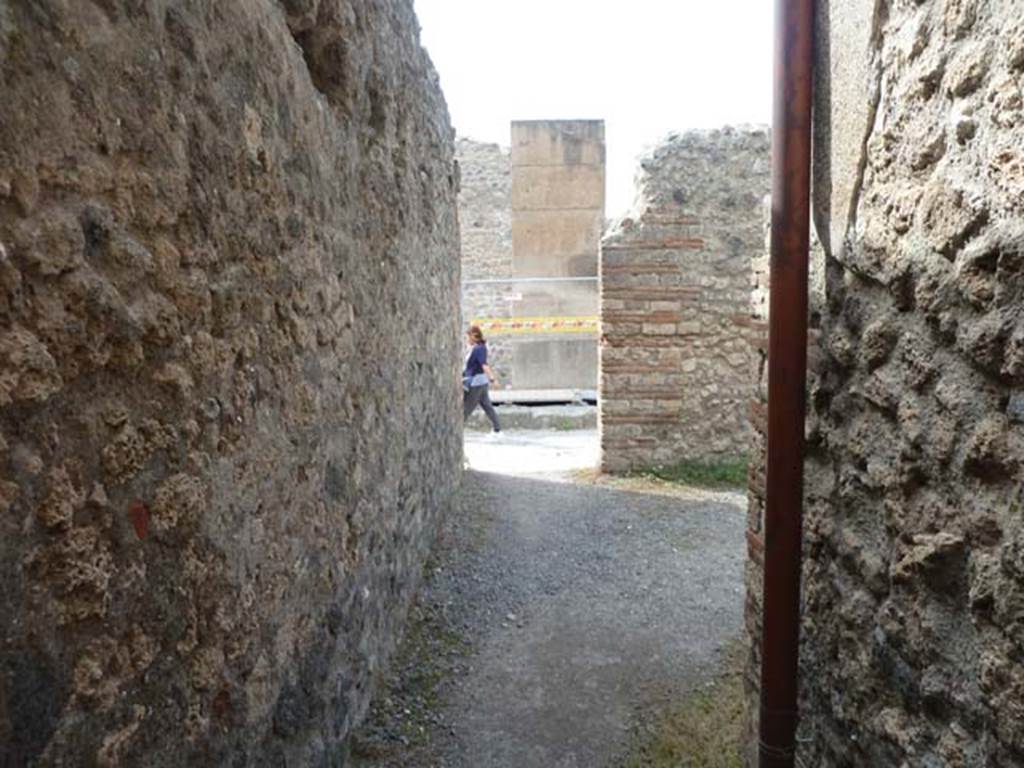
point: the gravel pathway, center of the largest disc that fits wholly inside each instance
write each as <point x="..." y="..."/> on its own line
<point x="556" y="619"/>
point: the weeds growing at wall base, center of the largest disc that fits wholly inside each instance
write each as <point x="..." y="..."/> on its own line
<point x="730" y="473"/>
<point x="703" y="731"/>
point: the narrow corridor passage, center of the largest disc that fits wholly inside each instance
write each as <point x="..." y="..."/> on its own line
<point x="557" y="617"/>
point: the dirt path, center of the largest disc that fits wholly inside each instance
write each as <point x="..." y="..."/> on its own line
<point x="556" y="619"/>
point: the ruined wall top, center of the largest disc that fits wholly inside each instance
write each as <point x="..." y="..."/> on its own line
<point x="683" y="168"/>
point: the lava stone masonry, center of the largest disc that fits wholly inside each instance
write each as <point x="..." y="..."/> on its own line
<point x="913" y="632"/>
<point x="228" y="401"/>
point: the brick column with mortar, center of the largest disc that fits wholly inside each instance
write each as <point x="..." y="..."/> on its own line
<point x="675" y="319"/>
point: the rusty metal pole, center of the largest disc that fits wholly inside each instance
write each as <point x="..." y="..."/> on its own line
<point x="787" y="371"/>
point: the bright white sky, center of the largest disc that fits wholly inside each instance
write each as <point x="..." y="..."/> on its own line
<point x="647" y="67"/>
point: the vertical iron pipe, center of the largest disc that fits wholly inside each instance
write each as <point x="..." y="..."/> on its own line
<point x="787" y="372"/>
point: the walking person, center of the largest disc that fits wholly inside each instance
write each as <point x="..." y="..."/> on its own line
<point x="477" y="377"/>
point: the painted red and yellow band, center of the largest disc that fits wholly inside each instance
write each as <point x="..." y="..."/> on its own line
<point x="502" y="326"/>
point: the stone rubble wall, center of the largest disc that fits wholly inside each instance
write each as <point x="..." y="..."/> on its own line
<point x="912" y="638"/>
<point x="226" y="230"/>
<point x="485" y="209"/>
<point x="485" y="218"/>
<point x="676" y="357"/>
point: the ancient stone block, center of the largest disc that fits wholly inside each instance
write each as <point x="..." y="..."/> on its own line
<point x="545" y="187"/>
<point x="557" y="242"/>
<point x="558" y="142"/>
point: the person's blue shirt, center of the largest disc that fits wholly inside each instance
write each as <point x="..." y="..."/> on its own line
<point x="474" y="375"/>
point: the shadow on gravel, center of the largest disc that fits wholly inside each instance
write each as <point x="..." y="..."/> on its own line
<point x="555" y="618"/>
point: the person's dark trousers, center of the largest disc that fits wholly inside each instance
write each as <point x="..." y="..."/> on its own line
<point x="475" y="396"/>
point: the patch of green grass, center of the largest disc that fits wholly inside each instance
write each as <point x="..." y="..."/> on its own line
<point x="729" y="473"/>
<point x="432" y="641"/>
<point x="704" y="731"/>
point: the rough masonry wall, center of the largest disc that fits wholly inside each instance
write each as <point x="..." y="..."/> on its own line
<point x="913" y="635"/>
<point x="226" y="229"/>
<point x="485" y="218"/>
<point x="676" y="356"/>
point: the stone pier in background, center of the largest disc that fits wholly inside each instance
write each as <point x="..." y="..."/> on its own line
<point x="532" y="222"/>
